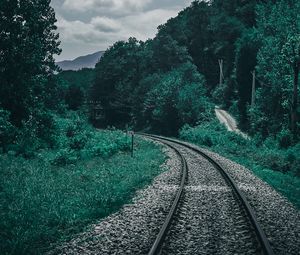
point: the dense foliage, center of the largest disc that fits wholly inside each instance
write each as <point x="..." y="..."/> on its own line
<point x="146" y="86"/>
<point x="50" y="198"/>
<point x="29" y="89"/>
<point x="28" y="42"/>
<point x="160" y="84"/>
<point x="278" y="29"/>
<point x="138" y="83"/>
<point x="75" y="86"/>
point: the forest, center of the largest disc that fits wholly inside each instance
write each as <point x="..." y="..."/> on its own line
<point x="167" y="85"/>
<point x="172" y="80"/>
<point x="164" y="83"/>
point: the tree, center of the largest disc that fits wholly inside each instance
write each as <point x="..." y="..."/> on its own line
<point x="74" y="97"/>
<point x="28" y="42"/>
<point x="117" y="76"/>
<point x="177" y="97"/>
<point x="167" y="53"/>
<point x="291" y="53"/>
<point x="245" y="61"/>
<point x="75" y="86"/>
<point x="278" y="62"/>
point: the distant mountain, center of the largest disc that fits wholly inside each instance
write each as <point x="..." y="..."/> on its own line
<point x="88" y="61"/>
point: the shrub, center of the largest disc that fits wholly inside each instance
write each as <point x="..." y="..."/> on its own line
<point x="285" y="138"/>
<point x="42" y="204"/>
<point x="78" y="142"/>
<point x="37" y="132"/>
<point x="7" y="130"/>
<point x="27" y="140"/>
<point x="64" y="157"/>
<point x="292" y="156"/>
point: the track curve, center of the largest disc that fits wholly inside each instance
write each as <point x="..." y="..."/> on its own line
<point x="157" y="245"/>
<point x="156" y="248"/>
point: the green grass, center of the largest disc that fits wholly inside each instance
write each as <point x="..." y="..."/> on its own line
<point x="43" y="203"/>
<point x="277" y="166"/>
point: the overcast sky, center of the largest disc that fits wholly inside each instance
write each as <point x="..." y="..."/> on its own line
<point x="87" y="26"/>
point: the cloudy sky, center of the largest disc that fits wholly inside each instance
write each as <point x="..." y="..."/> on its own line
<point x="87" y="26"/>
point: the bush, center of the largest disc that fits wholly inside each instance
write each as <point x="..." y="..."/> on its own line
<point x="78" y="140"/>
<point x="37" y="132"/>
<point x="292" y="156"/>
<point x="27" y="140"/>
<point x="64" y="157"/>
<point x="285" y="138"/>
<point x="42" y="204"/>
<point x="7" y="130"/>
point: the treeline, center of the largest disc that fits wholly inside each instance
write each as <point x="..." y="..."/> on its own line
<point x="139" y="86"/>
<point x="75" y="87"/>
<point x="164" y="83"/>
<point x="158" y="85"/>
<point x="33" y="96"/>
<point x="29" y="89"/>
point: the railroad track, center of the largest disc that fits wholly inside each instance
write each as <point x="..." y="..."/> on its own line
<point x="241" y="208"/>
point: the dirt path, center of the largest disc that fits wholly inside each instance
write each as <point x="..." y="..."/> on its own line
<point x="230" y="123"/>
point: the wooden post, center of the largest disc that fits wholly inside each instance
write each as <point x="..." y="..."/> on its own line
<point x="221" y="71"/>
<point x="132" y="144"/>
<point x="253" y="89"/>
<point x="294" y="117"/>
<point x="132" y="141"/>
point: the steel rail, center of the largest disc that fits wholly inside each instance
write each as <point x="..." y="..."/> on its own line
<point x="157" y="245"/>
<point x="263" y="240"/>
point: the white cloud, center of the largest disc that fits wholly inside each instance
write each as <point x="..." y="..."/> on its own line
<point x="105" y="24"/>
<point x="89" y="25"/>
<point x="108" y="6"/>
<point x="144" y="25"/>
<point x="105" y="31"/>
<point x="86" y="33"/>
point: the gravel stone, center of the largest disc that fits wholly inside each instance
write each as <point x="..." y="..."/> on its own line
<point x="209" y="220"/>
<point x="278" y="217"/>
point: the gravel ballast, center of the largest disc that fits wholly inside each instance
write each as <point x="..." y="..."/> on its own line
<point x="279" y="219"/>
<point x="208" y="221"/>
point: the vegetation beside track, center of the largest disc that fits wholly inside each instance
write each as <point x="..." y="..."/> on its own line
<point x="269" y="160"/>
<point x="57" y="193"/>
<point x="57" y="173"/>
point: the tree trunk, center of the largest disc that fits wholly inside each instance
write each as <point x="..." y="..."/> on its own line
<point x="295" y="99"/>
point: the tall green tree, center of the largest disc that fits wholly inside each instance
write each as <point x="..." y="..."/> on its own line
<point x="247" y="47"/>
<point x="279" y="63"/>
<point x="168" y="53"/>
<point x="75" y="86"/>
<point x="117" y="76"/>
<point x="28" y="42"/>
<point x="176" y="98"/>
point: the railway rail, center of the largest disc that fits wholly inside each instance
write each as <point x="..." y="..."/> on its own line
<point x="265" y="247"/>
